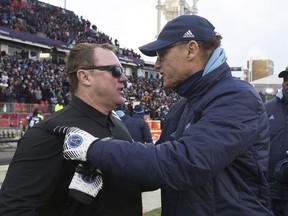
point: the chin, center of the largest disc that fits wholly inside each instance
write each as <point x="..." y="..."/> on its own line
<point x="120" y="102"/>
<point x="167" y="85"/>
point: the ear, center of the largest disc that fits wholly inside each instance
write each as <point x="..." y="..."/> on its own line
<point x="193" y="48"/>
<point x="84" y="77"/>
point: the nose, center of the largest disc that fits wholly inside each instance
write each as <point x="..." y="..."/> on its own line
<point x="157" y="64"/>
<point x="123" y="78"/>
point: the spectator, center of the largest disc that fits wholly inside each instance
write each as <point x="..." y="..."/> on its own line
<point x="5" y="77"/>
<point x="31" y="120"/>
<point x="29" y="93"/>
<point x="10" y="98"/>
<point x="59" y="105"/>
<point x="40" y="115"/>
<point x="278" y="114"/>
<point x="38" y="94"/>
<point x="136" y="125"/>
<point x="2" y="98"/>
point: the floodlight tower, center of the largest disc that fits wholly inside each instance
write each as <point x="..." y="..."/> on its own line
<point x="159" y="8"/>
<point x="174" y="8"/>
<point x="186" y="9"/>
<point x="194" y="10"/>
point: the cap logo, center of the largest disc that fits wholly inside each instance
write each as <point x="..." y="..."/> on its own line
<point x="188" y="34"/>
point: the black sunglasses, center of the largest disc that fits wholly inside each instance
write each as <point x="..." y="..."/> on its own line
<point x="116" y="70"/>
<point x="163" y="52"/>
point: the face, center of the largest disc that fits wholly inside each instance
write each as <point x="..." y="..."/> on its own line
<point x="285" y="85"/>
<point x="105" y="91"/>
<point x="174" y="63"/>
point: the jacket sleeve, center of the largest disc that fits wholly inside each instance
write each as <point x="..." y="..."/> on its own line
<point x="227" y="128"/>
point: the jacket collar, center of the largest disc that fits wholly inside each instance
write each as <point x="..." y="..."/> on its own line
<point x="86" y="109"/>
<point x="197" y="85"/>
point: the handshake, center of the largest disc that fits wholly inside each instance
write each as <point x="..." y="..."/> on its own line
<point x="76" y="142"/>
<point x="87" y="181"/>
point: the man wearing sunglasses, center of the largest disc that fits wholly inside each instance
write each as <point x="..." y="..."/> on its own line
<point x="277" y="111"/>
<point x="40" y="181"/>
<point x="212" y="155"/>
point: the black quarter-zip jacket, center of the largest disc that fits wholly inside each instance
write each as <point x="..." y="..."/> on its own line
<point x="38" y="177"/>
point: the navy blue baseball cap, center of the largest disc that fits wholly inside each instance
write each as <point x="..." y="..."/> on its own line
<point x="182" y="28"/>
<point x="138" y="109"/>
<point x="283" y="73"/>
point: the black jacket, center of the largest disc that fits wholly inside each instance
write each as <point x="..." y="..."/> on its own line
<point x="38" y="177"/>
<point x="277" y="112"/>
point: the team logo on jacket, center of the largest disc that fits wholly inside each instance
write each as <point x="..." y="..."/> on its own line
<point x="173" y="134"/>
<point x="74" y="141"/>
<point x="187" y="126"/>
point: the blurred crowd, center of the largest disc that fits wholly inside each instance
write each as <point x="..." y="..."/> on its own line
<point x="33" y="81"/>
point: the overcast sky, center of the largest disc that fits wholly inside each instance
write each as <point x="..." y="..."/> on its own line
<point x="251" y="29"/>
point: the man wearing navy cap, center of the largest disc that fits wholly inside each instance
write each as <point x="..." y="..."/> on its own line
<point x="212" y="155"/>
<point x="136" y="125"/>
<point x="277" y="111"/>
